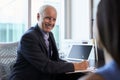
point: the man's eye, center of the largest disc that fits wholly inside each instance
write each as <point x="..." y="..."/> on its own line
<point x="47" y="18"/>
<point x="54" y="19"/>
<point x="50" y="18"/>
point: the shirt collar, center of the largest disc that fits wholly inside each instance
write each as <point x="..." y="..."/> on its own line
<point x="45" y="34"/>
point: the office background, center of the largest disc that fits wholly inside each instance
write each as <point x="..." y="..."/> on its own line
<point x="74" y="22"/>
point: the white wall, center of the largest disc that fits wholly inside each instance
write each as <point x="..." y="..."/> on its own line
<point x="80" y="19"/>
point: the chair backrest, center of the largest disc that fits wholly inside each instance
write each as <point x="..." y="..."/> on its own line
<point x="7" y="57"/>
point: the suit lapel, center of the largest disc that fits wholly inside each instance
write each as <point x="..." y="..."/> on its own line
<point x="42" y="41"/>
<point x="40" y="35"/>
<point x="55" y="55"/>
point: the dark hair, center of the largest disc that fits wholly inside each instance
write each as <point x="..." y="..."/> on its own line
<point x="108" y="22"/>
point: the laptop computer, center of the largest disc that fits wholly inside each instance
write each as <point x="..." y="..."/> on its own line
<point x="79" y="52"/>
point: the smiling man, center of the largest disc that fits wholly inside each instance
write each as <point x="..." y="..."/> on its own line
<point x="47" y="18"/>
<point x="37" y="54"/>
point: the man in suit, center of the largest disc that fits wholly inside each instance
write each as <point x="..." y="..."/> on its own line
<point x="37" y="54"/>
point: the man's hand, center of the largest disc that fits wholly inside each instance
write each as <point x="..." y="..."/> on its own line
<point x="81" y="65"/>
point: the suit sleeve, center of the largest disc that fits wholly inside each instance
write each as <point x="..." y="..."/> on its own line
<point x="34" y="52"/>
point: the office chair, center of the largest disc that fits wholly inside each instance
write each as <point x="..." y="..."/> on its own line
<point x="7" y="58"/>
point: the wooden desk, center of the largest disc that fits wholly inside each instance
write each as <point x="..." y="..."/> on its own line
<point x="75" y="75"/>
<point x="70" y="76"/>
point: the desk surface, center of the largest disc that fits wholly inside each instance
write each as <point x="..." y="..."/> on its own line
<point x="75" y="75"/>
<point x="71" y="76"/>
<point x="90" y="69"/>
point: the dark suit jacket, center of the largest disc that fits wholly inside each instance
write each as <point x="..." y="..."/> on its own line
<point x="33" y="62"/>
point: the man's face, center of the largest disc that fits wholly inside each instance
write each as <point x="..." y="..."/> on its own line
<point x="47" y="20"/>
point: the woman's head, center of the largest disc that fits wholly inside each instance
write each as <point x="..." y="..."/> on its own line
<point x="108" y="23"/>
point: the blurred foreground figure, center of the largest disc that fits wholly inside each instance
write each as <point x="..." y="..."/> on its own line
<point x="108" y="38"/>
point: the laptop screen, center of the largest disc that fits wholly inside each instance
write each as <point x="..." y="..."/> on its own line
<point x="80" y="51"/>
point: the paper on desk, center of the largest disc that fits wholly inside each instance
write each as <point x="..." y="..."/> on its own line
<point x="90" y="69"/>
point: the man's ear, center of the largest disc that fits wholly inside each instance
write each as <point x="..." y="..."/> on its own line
<point x="38" y="16"/>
